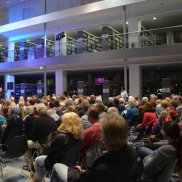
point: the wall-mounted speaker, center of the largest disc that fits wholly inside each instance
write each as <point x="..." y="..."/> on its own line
<point x="9" y="85"/>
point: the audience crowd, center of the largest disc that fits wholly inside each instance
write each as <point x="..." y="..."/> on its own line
<point x="55" y="124"/>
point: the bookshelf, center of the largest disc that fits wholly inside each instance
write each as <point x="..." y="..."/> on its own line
<point x="2" y="54"/>
<point x="71" y="46"/>
<point x="17" y="52"/>
<point x="87" y="42"/>
<point x="111" y="39"/>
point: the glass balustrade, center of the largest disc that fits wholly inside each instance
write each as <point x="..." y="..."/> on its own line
<point x="133" y="40"/>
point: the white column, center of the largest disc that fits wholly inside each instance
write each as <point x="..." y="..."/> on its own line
<point x="61" y="82"/>
<point x="134" y="25"/>
<point x="10" y="54"/>
<point x="135" y="80"/>
<point x="9" y="78"/>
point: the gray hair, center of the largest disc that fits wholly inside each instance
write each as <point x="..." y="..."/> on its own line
<point x="41" y="109"/>
<point x="114" y="129"/>
<point x="69" y="102"/>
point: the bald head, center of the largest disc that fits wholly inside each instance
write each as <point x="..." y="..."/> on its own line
<point x="112" y="109"/>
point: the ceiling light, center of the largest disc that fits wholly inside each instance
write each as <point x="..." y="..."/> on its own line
<point x="8" y="1"/>
<point x="1" y="45"/>
<point x="127" y="23"/>
<point x="28" y="40"/>
<point x="41" y="68"/>
<point x="154" y="18"/>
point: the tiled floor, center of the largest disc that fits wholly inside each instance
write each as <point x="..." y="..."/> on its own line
<point x="12" y="172"/>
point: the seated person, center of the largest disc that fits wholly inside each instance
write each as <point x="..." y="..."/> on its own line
<point x="133" y="111"/>
<point x="149" y="116"/>
<point x="92" y="134"/>
<point x="59" y="144"/>
<point x="156" y="161"/>
<point x="43" y="125"/>
<point x="12" y="122"/>
<point x="121" y="163"/>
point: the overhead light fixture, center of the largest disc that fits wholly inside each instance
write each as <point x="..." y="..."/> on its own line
<point x="154" y="18"/>
<point x="41" y="68"/>
<point x="28" y="40"/>
<point x="127" y="23"/>
<point x="1" y="45"/>
<point x="8" y="1"/>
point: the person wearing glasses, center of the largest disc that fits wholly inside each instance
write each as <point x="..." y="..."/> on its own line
<point x="120" y="163"/>
<point x="156" y="161"/>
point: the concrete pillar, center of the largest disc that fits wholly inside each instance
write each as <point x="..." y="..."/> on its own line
<point x="9" y="55"/>
<point x="134" y="25"/>
<point x="9" y="78"/>
<point x="135" y="76"/>
<point x="169" y="37"/>
<point x="61" y="82"/>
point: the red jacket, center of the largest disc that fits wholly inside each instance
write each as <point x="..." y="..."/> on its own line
<point x="148" y="118"/>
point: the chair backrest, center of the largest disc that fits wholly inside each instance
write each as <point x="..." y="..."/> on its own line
<point x="17" y="147"/>
<point x="17" y="131"/>
<point x="140" y="135"/>
<point x="167" y="173"/>
<point x="149" y="129"/>
<point x="133" y="120"/>
<point x="71" y="157"/>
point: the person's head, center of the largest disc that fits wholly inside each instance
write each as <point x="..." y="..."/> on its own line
<point x="92" y="97"/>
<point x="41" y="109"/>
<point x="149" y="107"/>
<point x="164" y="114"/>
<point x="32" y="101"/>
<point x="5" y="111"/>
<point x="112" y="109"/>
<point x="121" y="101"/>
<point x="93" y="114"/>
<point x="116" y="101"/>
<point x="173" y="104"/>
<point x="72" y="124"/>
<point x="114" y="130"/>
<point x="132" y="102"/>
<point x="101" y="108"/>
<point x="153" y="102"/>
<point x="167" y="99"/>
<point x="158" y="101"/>
<point x="85" y="105"/>
<point x="1" y="89"/>
<point x="69" y="102"/>
<point x="110" y="99"/>
<point x="171" y="131"/>
<point x="144" y="100"/>
<point x="56" y="103"/>
<point x="153" y="97"/>
<point x="98" y="100"/>
<point x="164" y="104"/>
<point x="8" y="102"/>
<point x="72" y="109"/>
<point x="179" y="101"/>
<point x="175" y="97"/>
<point x="14" y="112"/>
<point x="122" y="89"/>
<point x="12" y="99"/>
<point x="51" y="104"/>
<point x="29" y="110"/>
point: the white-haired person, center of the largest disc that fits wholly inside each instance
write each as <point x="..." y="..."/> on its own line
<point x="120" y="163"/>
<point x="60" y="142"/>
<point x="133" y="111"/>
<point x="42" y="127"/>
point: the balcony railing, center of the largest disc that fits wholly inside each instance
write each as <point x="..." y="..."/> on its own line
<point x="132" y="40"/>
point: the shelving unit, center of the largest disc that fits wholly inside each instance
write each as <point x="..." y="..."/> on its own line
<point x="71" y="46"/>
<point x="88" y="42"/>
<point x="17" y="52"/>
<point x="115" y="88"/>
<point x="2" y="54"/>
<point x="111" y="39"/>
<point x="26" y="90"/>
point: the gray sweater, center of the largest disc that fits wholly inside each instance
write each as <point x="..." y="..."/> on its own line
<point x="154" y="164"/>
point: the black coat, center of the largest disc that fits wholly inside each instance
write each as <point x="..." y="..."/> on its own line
<point x="122" y="165"/>
<point x="60" y="142"/>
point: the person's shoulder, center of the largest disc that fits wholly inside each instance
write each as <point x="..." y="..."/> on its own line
<point x="167" y="150"/>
